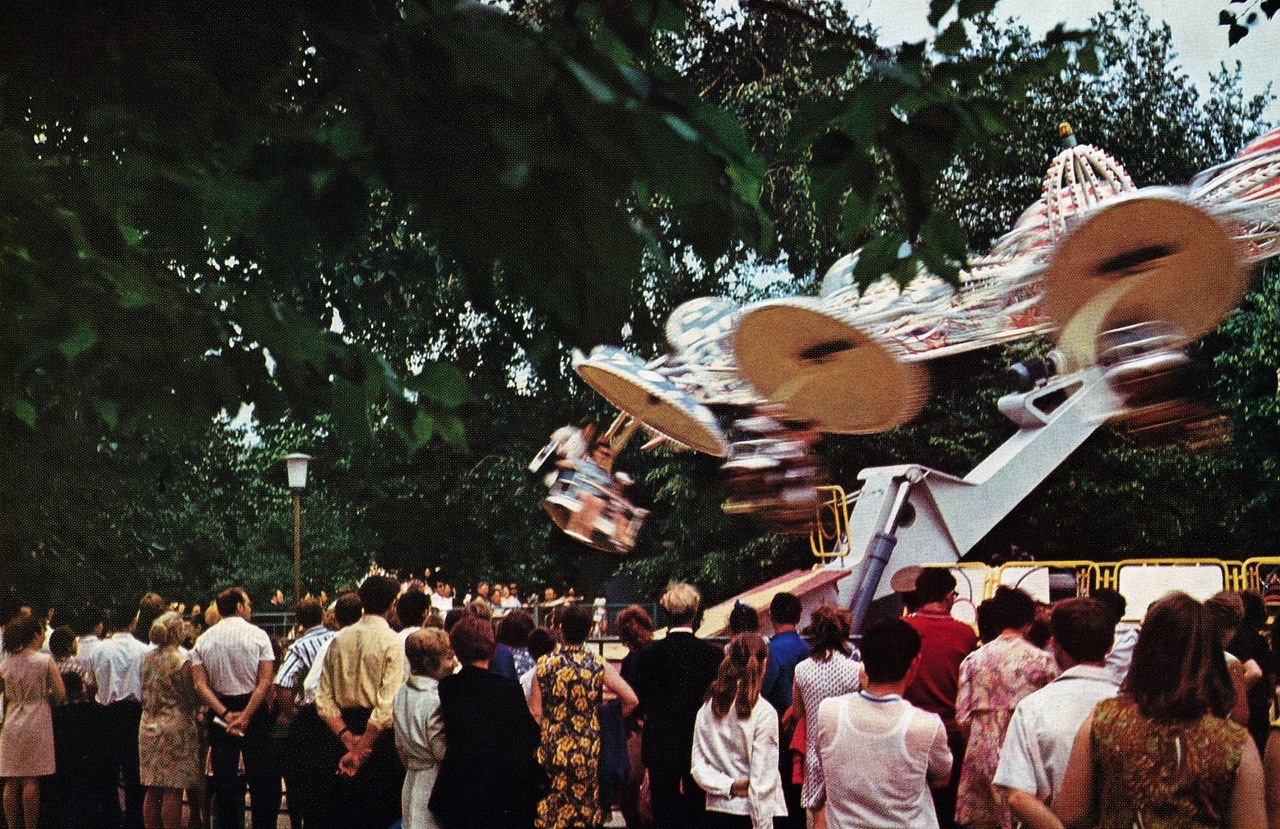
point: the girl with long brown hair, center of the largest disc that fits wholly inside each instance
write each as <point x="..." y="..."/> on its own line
<point x="735" y="743"/>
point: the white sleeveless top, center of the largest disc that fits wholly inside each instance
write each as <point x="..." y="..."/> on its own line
<point x="872" y="777"/>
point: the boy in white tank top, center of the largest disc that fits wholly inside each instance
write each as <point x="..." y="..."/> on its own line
<point x="879" y="753"/>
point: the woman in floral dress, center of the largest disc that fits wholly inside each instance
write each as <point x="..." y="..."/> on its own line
<point x="169" y="745"/>
<point x="993" y="680"/>
<point x="567" y="693"/>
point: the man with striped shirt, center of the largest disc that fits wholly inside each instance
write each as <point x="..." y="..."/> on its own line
<point x="292" y="708"/>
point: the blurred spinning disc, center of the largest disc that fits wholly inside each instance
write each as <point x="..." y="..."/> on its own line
<point x="699" y="321"/>
<point x="824" y="370"/>
<point x="1153" y="256"/>
<point x="651" y="398"/>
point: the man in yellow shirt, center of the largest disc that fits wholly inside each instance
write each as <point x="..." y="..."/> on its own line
<point x="362" y="672"/>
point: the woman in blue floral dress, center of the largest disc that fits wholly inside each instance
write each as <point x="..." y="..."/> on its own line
<point x="567" y="693"/>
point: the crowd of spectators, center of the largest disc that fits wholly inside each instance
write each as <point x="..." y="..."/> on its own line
<point x="385" y="706"/>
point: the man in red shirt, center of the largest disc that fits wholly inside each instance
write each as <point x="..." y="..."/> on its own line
<point x="944" y="643"/>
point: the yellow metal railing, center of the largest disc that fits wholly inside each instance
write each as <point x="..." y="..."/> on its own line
<point x="830" y="537"/>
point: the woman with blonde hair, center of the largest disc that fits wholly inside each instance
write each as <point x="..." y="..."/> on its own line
<point x="735" y="743"/>
<point x="169" y="747"/>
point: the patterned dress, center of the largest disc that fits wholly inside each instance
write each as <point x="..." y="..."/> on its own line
<point x="1163" y="774"/>
<point x="816" y="680"/>
<point x="169" y="746"/>
<point x="571" y="681"/>
<point x="993" y="680"/>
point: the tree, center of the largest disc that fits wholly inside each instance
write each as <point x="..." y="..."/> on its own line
<point x="1240" y="23"/>
<point x="186" y="170"/>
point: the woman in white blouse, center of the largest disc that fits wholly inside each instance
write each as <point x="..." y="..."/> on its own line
<point x="735" y="743"/>
<point x="420" y="738"/>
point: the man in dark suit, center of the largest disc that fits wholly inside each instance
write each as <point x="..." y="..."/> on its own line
<point x="671" y="679"/>
<point x="490" y="777"/>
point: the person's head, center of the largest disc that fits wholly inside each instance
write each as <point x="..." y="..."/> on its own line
<point x="480" y="608"/>
<point x="889" y="649"/>
<point x="309" y="613"/>
<point x="453" y="616"/>
<point x="785" y="610"/>
<point x="987" y="618"/>
<point x="412" y="608"/>
<point x="549" y="594"/>
<point x="429" y="653"/>
<point x="1015" y="609"/>
<point x="1114" y="600"/>
<point x="211" y="615"/>
<point x="232" y="602"/>
<point x="169" y="630"/>
<point x="62" y="643"/>
<point x="1038" y="632"/>
<point x="936" y="585"/>
<point x="122" y="618"/>
<point x="378" y="593"/>
<point x="482" y="590"/>
<point x="743" y="619"/>
<point x="1083" y="631"/>
<point x="575" y="622"/>
<point x="542" y="641"/>
<point x="472" y="639"/>
<point x="634" y="626"/>
<point x="348" y="609"/>
<point x="1255" y="611"/>
<point x="737" y="682"/>
<point x="151" y="607"/>
<point x="681" y="602"/>
<point x="89" y="621"/>
<point x="1226" y="609"/>
<point x="23" y="632"/>
<point x="515" y="627"/>
<point x="1179" y="671"/>
<point x="828" y="631"/>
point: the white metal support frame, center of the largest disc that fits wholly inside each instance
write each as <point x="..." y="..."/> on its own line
<point x="945" y="516"/>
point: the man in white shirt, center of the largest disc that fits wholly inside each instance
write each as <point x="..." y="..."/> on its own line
<point x="1037" y="746"/>
<point x="117" y="666"/>
<point x="880" y="754"/>
<point x="1126" y="633"/>
<point x="232" y="666"/>
<point x="442" y="598"/>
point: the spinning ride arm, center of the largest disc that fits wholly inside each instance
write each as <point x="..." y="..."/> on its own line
<point x="1136" y="280"/>
<point x="923" y="516"/>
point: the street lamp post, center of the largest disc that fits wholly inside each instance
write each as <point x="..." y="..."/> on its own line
<point x="296" y="465"/>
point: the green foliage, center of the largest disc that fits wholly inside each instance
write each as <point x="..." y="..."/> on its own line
<point x="879" y="145"/>
<point x="181" y="187"/>
<point x="470" y="194"/>
<point x="1239" y="24"/>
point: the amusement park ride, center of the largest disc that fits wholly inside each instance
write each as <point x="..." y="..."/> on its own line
<point x="1122" y="278"/>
